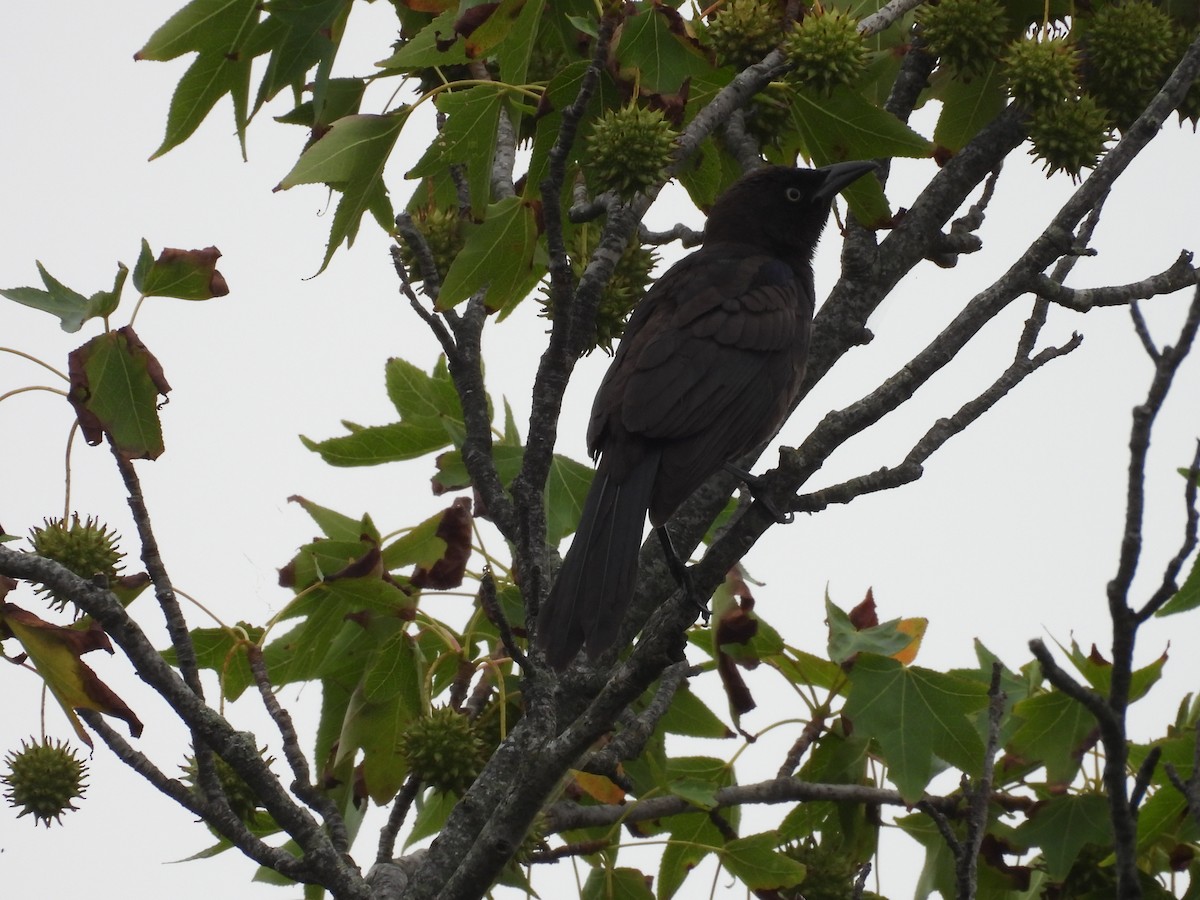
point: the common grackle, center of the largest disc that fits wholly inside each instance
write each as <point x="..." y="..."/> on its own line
<point x="707" y="370"/>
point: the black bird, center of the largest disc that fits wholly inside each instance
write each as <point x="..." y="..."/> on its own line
<point x="707" y="370"/>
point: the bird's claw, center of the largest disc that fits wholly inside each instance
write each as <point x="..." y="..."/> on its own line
<point x="757" y="489"/>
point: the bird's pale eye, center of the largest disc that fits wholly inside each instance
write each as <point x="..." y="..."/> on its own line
<point x="794" y="194"/>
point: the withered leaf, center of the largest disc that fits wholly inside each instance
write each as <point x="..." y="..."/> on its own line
<point x="455" y="529"/>
<point x="55" y="652"/>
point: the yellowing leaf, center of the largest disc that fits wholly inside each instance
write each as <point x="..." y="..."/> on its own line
<point x="914" y="628"/>
<point x="55" y="652"/>
<point x="598" y="787"/>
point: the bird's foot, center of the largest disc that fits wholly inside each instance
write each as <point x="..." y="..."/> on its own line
<point x="758" y="491"/>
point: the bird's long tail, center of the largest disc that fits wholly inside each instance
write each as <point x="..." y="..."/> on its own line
<point x="596" y="581"/>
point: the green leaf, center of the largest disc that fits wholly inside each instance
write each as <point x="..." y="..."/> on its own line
<point x="757" y="863"/>
<point x="390" y="695"/>
<point x="343" y="97"/>
<point x="652" y="54"/>
<point x="688" y="715"/>
<point x="430" y="400"/>
<point x="182" y="274"/>
<point x="967" y="106"/>
<point x="1055" y="730"/>
<point x="224" y="651"/>
<point x="616" y="884"/>
<point x="115" y="386"/>
<point x="803" y="668"/>
<point x="379" y="444"/>
<point x="420" y="546"/>
<point x="693" y="837"/>
<point x="71" y="307"/>
<point x="915" y="713"/>
<point x="203" y="25"/>
<point x="498" y="255"/>
<point x="210" y="77"/>
<point x="436" y="44"/>
<point x="304" y="36"/>
<point x="467" y="138"/>
<point x="938" y="871"/>
<point x="432" y="812"/>
<point x="845" y="639"/>
<point x="1098" y="672"/>
<point x="350" y="157"/>
<point x="845" y="125"/>
<point x="520" y="38"/>
<point x="1062" y="826"/>
<point x="335" y="525"/>
<point x="431" y="419"/>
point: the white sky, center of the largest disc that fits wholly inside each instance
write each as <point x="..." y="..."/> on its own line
<point x="1011" y="534"/>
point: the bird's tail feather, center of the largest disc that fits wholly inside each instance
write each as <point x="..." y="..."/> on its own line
<point x="597" y="577"/>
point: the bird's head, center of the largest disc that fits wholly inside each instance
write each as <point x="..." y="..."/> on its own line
<point x="779" y="208"/>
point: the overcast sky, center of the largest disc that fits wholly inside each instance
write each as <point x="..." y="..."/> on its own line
<point x="1011" y="534"/>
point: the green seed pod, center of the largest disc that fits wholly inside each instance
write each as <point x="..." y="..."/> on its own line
<point x="1041" y="73"/>
<point x="966" y="35"/>
<point x="1070" y="136"/>
<point x="826" y="51"/>
<point x="242" y="800"/>
<point x="628" y="150"/>
<point x="628" y="284"/>
<point x="743" y="32"/>
<point x="1129" y="49"/>
<point x="444" y="750"/>
<point x="443" y="232"/>
<point x="86" y="548"/>
<point x="43" y="779"/>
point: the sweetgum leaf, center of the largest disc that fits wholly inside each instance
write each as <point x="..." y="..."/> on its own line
<point x="1062" y="826"/>
<point x="115" y="385"/>
<point x="915" y="714"/>
<point x="213" y="26"/>
<point x="467" y="138"/>
<point x="71" y="307"/>
<point x="437" y="44"/>
<point x="305" y="35"/>
<point x="1055" y="730"/>
<point x="757" y="863"/>
<point x="211" y="76"/>
<point x="968" y="104"/>
<point x="183" y="274"/>
<point x="616" y="884"/>
<point x="653" y="53"/>
<point x="499" y="255"/>
<point x="56" y="652"/>
<point x="350" y="157"/>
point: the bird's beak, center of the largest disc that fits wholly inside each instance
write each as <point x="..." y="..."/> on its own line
<point x="839" y="175"/>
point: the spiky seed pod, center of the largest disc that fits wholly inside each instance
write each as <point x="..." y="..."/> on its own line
<point x="444" y="750"/>
<point x="965" y="35"/>
<point x="43" y="779"/>
<point x="1070" y="136"/>
<point x="86" y="548"/>
<point x="826" y="51"/>
<point x="1128" y="51"/>
<point x="242" y="800"/>
<point x="443" y="232"/>
<point x="829" y="874"/>
<point x="742" y="32"/>
<point x="1041" y="73"/>
<point x="625" y="288"/>
<point x="767" y="114"/>
<point x="628" y="150"/>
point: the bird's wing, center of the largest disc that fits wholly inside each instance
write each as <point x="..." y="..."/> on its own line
<point x="720" y="352"/>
